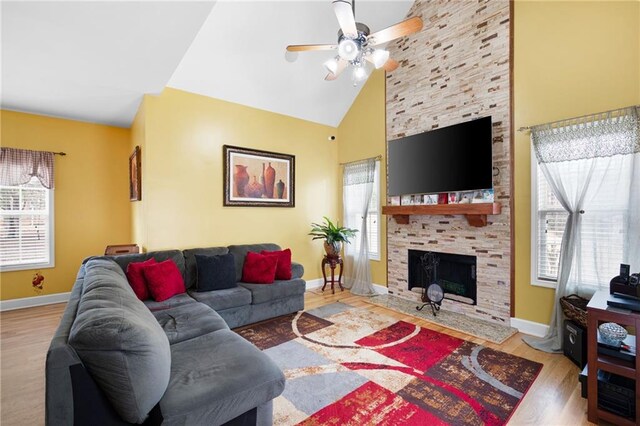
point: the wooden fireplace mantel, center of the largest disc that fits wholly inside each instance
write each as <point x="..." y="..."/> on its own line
<point x="476" y="214"/>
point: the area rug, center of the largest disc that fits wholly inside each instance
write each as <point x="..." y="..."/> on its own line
<point x="496" y="333"/>
<point x="349" y="366"/>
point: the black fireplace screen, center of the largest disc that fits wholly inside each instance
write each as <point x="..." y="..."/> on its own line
<point x="455" y="273"/>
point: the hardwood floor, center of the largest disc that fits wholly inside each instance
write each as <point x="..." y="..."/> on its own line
<point x="554" y="398"/>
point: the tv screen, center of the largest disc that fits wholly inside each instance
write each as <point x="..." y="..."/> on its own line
<point x="450" y="159"/>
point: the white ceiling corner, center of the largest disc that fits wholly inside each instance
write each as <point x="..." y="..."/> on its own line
<point x="93" y="61"/>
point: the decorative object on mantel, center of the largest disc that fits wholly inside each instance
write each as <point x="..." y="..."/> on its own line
<point x="356" y="44"/>
<point x="254" y="178"/>
<point x="135" y="175"/>
<point x="333" y="235"/>
<point x="476" y="213"/>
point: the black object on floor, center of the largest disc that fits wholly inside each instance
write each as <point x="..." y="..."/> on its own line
<point x="574" y="343"/>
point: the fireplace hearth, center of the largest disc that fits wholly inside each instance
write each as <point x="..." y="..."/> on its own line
<point x="455" y="273"/>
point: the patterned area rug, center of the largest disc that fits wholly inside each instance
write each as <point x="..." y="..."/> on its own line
<point x="350" y="366"/>
<point x="496" y="333"/>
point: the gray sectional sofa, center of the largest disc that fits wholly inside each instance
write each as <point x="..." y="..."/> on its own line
<point x="117" y="360"/>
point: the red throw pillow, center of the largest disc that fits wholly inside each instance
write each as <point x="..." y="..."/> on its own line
<point x="283" y="270"/>
<point x="164" y="280"/>
<point x="259" y="269"/>
<point x="136" y="279"/>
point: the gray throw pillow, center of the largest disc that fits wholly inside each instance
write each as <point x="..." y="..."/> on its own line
<point x="120" y="342"/>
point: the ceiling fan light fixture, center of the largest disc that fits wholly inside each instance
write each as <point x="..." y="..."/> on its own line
<point x="359" y="74"/>
<point x="331" y="65"/>
<point x="348" y="49"/>
<point x="379" y="57"/>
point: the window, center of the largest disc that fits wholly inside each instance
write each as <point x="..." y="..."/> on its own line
<point x="26" y="226"/>
<point x="604" y="229"/>
<point x="373" y="218"/>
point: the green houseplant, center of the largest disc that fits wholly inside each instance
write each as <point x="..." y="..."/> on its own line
<point x="332" y="234"/>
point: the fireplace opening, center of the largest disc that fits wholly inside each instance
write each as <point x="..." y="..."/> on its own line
<point x="456" y="274"/>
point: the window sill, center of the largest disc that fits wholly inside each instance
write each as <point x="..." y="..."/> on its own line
<point x="27" y="267"/>
<point x="545" y="284"/>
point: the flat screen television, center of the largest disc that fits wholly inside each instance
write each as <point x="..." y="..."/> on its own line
<point x="449" y="159"/>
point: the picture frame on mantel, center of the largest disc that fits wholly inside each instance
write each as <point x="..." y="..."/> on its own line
<point x="135" y="175"/>
<point x="255" y="178"/>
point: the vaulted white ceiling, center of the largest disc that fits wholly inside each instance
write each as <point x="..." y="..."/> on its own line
<point x="93" y="61"/>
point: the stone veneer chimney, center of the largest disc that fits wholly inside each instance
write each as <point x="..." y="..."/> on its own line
<point x="456" y="69"/>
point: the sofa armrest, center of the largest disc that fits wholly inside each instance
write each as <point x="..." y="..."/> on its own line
<point x="297" y="270"/>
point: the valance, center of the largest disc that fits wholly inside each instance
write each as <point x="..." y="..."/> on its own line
<point x="18" y="166"/>
<point x="359" y="172"/>
<point x="600" y="135"/>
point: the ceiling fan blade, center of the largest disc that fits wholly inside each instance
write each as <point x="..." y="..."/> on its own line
<point x="307" y="47"/>
<point x="390" y="65"/>
<point x="344" y="13"/>
<point x="409" y="26"/>
<point x="341" y="65"/>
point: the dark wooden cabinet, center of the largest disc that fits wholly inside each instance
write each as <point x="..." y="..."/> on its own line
<point x="598" y="312"/>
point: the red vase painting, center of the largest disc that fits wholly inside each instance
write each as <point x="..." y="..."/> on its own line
<point x="240" y="179"/>
<point x="269" y="181"/>
<point x="254" y="189"/>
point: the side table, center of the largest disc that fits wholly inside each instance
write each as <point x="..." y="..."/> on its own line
<point x="332" y="261"/>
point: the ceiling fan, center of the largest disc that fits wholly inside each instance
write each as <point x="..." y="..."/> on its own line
<point x="356" y="44"/>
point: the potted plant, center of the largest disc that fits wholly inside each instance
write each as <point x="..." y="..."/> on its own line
<point x="333" y="235"/>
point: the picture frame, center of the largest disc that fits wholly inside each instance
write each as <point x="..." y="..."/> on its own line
<point x="255" y="178"/>
<point x="135" y="175"/>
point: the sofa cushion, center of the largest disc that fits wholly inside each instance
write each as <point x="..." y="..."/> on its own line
<point x="191" y="270"/>
<point x="283" y="269"/>
<point x="240" y="252"/>
<point x="215" y="272"/>
<point x="160" y="256"/>
<point x="187" y="321"/>
<point x="120" y="342"/>
<point x="163" y="280"/>
<point x="259" y="268"/>
<point x="135" y="276"/>
<point x="223" y="299"/>
<point x="279" y="289"/>
<point x="177" y="300"/>
<point x="216" y="377"/>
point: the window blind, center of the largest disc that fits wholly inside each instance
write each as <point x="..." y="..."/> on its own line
<point x="25" y="228"/>
<point x="604" y="226"/>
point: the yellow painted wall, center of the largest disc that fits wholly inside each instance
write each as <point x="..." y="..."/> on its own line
<point x="571" y="59"/>
<point x="91" y="198"/>
<point x="183" y="176"/>
<point x="361" y="134"/>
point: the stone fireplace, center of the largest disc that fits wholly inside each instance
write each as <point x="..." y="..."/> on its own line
<point x="456" y="69"/>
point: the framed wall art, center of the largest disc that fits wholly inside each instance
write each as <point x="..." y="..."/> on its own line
<point x="258" y="178"/>
<point x="135" y="176"/>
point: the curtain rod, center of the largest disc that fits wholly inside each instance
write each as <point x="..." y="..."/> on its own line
<point x="526" y="128"/>
<point x="377" y="157"/>
<point x="62" y="154"/>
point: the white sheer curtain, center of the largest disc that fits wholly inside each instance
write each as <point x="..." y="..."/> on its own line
<point x="358" y="181"/>
<point x="592" y="165"/>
